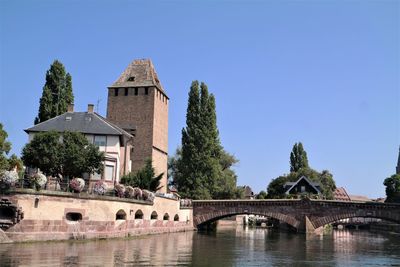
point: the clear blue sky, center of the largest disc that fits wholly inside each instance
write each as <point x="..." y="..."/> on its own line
<point x="326" y="73"/>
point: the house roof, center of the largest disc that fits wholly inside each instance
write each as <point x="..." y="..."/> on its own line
<point x="341" y="194"/>
<point x="83" y="122"/>
<point x="293" y="184"/>
<point x="140" y="73"/>
<point x="359" y="198"/>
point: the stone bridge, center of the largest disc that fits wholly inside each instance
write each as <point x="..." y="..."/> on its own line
<point x="305" y="215"/>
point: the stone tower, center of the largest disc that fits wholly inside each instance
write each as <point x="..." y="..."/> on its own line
<point x="398" y="164"/>
<point x="137" y="100"/>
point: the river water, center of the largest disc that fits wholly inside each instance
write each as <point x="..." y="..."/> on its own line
<point x="228" y="246"/>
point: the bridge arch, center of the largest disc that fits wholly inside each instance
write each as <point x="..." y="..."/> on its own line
<point x="200" y="220"/>
<point x="331" y="218"/>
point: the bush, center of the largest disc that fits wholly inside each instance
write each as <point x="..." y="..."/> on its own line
<point x="138" y="193"/>
<point x="129" y="192"/>
<point x="100" y="188"/>
<point x="8" y="179"/>
<point x="119" y="190"/>
<point x="77" y="184"/>
<point x="38" y="181"/>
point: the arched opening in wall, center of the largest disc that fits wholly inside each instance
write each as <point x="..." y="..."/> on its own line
<point x="166" y="217"/>
<point x="6" y="213"/>
<point x="153" y="216"/>
<point x="120" y="215"/>
<point x="176" y="218"/>
<point x="138" y="215"/>
<point x="73" y="216"/>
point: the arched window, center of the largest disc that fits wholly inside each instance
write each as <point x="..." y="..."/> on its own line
<point x="121" y="215"/>
<point x="153" y="216"/>
<point x="138" y="214"/>
<point x="176" y="218"/>
<point x="166" y="217"/>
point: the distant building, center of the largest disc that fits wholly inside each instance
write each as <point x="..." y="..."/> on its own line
<point x="302" y="186"/>
<point x="115" y="142"/>
<point x="359" y="198"/>
<point x="248" y="192"/>
<point x="341" y="194"/>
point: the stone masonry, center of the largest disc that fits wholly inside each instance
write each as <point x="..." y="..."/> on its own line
<point x="138" y="101"/>
<point x="305" y="215"/>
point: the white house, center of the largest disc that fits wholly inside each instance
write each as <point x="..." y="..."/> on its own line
<point x="114" y="141"/>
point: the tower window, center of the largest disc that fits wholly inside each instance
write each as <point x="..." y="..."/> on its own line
<point x="116" y="92"/>
<point x="136" y="91"/>
<point x="146" y="91"/>
<point x="126" y="91"/>
<point x="131" y="79"/>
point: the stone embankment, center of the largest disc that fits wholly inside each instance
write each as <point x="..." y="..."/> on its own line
<point x="62" y="216"/>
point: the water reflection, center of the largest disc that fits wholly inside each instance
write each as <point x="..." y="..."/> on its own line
<point x="228" y="246"/>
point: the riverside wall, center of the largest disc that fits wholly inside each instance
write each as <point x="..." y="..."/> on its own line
<point x="62" y="216"/>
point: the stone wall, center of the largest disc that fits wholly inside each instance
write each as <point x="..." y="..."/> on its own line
<point x="48" y="217"/>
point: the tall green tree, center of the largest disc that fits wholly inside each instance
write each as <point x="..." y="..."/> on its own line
<point x="298" y="158"/>
<point x="5" y="147"/>
<point x="202" y="169"/>
<point x="392" y="184"/>
<point x="144" y="178"/>
<point x="69" y="154"/>
<point x="57" y="93"/>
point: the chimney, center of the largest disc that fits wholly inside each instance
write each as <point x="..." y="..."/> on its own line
<point x="70" y="108"/>
<point x="90" y="108"/>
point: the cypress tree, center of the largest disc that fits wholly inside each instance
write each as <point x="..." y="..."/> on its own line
<point x="57" y="93"/>
<point x="190" y="175"/>
<point x="202" y="169"/>
<point x="298" y="158"/>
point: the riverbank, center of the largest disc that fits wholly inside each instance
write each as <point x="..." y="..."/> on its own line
<point x="47" y="215"/>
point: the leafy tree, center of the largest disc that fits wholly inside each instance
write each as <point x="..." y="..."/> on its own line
<point x="44" y="152"/>
<point x="225" y="183"/>
<point x="276" y="187"/>
<point x="145" y="178"/>
<point x="262" y="195"/>
<point x="5" y="147"/>
<point x="57" y="93"/>
<point x="298" y="158"/>
<point x="201" y="169"/>
<point x="299" y="162"/>
<point x="392" y="184"/>
<point x="69" y="155"/>
<point x="14" y="161"/>
<point x="79" y="156"/>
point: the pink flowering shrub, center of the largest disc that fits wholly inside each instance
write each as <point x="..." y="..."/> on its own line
<point x="129" y="191"/>
<point x="77" y="184"/>
<point x="119" y="190"/>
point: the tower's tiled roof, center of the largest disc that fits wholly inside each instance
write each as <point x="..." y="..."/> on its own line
<point x="140" y="73"/>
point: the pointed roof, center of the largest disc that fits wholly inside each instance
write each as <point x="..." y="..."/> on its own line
<point x="312" y="184"/>
<point x="140" y="73"/>
<point x="83" y="122"/>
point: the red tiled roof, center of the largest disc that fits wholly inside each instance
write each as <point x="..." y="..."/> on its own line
<point x="341" y="194"/>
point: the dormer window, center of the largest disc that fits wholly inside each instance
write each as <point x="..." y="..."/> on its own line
<point x="68" y="118"/>
<point x="131" y="79"/>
